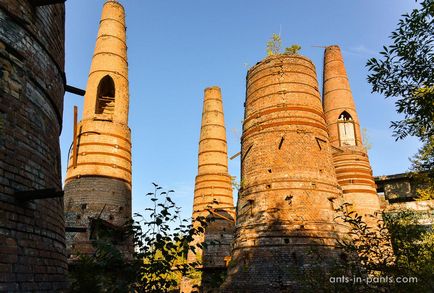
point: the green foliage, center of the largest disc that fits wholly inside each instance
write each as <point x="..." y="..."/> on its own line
<point x="161" y="241"/>
<point x="406" y="71"/>
<point x="398" y="246"/>
<point x="273" y="45"/>
<point x="294" y="49"/>
<point x="371" y="244"/>
<point x="237" y="185"/>
<point x="106" y="271"/>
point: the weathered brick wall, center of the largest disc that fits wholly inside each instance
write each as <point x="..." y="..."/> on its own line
<point x="288" y="182"/>
<point x="94" y="197"/>
<point x="32" y="239"/>
<point x="100" y="179"/>
<point x="213" y="191"/>
<point x="353" y="169"/>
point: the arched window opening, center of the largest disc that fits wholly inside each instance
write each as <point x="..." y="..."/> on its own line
<point x="347" y="134"/>
<point x="105" y="99"/>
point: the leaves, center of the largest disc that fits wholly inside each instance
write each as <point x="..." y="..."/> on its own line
<point x="294" y="49"/>
<point x="398" y="245"/>
<point x="406" y="71"/>
<point x="273" y="45"/>
<point x="160" y="255"/>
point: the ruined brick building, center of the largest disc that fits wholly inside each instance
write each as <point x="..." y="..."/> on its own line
<point x="98" y="179"/>
<point x="213" y="192"/>
<point x="32" y="85"/>
<point x="301" y="157"/>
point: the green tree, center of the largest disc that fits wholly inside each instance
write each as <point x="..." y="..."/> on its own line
<point x="294" y="49"/>
<point x="398" y="246"/>
<point x="161" y="241"/>
<point x="406" y="71"/>
<point x="273" y="45"/>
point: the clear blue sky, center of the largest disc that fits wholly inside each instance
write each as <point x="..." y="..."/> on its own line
<point x="178" y="48"/>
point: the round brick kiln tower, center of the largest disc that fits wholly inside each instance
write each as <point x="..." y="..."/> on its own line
<point x="213" y="188"/>
<point x="350" y="157"/>
<point x="32" y="85"/>
<point x="213" y="192"/>
<point x="288" y="182"/>
<point x="98" y="180"/>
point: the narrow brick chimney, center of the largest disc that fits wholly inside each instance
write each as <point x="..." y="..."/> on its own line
<point x="350" y="157"/>
<point x="98" y="180"/>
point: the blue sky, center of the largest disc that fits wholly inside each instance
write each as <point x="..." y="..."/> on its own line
<point x="178" y="48"/>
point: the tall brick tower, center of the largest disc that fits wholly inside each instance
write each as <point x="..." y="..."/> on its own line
<point x="285" y="206"/>
<point x="351" y="161"/>
<point x="98" y="180"/>
<point x="213" y="189"/>
<point x="32" y="85"/>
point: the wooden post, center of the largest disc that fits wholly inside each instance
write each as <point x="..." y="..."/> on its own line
<point x="74" y="140"/>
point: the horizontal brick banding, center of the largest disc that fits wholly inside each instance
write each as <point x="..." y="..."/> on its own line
<point x="285" y="123"/>
<point x="112" y="36"/>
<point x="284" y="180"/>
<point x="102" y="176"/>
<point x="110" y="134"/>
<point x="280" y="109"/>
<point x="340" y="176"/>
<point x="226" y="175"/>
<point x="257" y="69"/>
<point x="213" y="187"/>
<point x="108" y="71"/>
<point x="359" y="191"/>
<point x="286" y="158"/>
<point x="293" y="188"/>
<point x="353" y="170"/>
<point x="104" y="144"/>
<point x="212" y="164"/>
<point x="212" y="138"/>
<point x="105" y="154"/>
<point x="250" y="100"/>
<point x="213" y="151"/>
<point x="110" y="53"/>
<point x="336" y="76"/>
<point x="213" y="125"/>
<point x="112" y="19"/>
<point x="357" y="181"/>
<point x="103" y="164"/>
<point x="214" y="195"/>
<point x="354" y="164"/>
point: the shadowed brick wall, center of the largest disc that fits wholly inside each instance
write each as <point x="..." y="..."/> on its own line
<point x="32" y="238"/>
<point x="288" y="182"/>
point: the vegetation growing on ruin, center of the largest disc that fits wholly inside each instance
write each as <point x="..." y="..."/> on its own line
<point x="405" y="71"/>
<point x="161" y="241"/>
<point x="400" y="245"/>
<point x="274" y="46"/>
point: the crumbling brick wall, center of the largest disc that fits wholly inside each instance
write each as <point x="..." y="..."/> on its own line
<point x="288" y="182"/>
<point x="32" y="239"/>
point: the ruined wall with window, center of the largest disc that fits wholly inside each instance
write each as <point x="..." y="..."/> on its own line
<point x="98" y="179"/>
<point x="350" y="158"/>
<point x="32" y="239"/>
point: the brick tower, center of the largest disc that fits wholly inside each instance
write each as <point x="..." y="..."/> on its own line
<point x="351" y="161"/>
<point x="213" y="189"/>
<point x="288" y="183"/>
<point x="32" y="85"/>
<point x="98" y="180"/>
